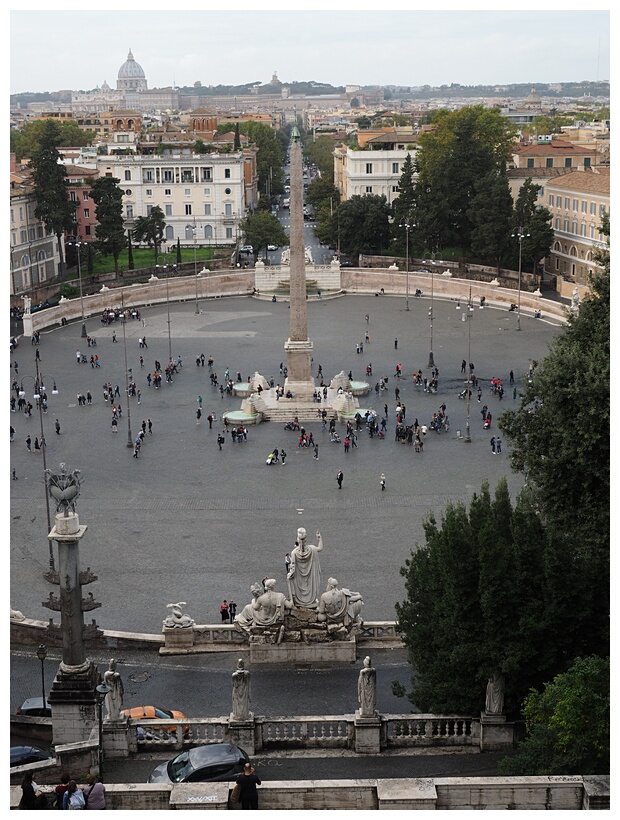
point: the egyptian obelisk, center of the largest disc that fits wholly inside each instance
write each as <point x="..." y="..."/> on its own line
<point x="298" y="347"/>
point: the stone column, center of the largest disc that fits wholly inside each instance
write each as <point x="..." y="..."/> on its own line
<point x="72" y="695"/>
<point x="298" y="347"/>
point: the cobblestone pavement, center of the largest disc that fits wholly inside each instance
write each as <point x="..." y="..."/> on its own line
<point x="186" y="522"/>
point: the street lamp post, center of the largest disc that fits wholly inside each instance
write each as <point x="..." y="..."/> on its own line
<point x="102" y="690"/>
<point x="42" y="655"/>
<point x="520" y="235"/>
<point x="165" y="269"/>
<point x="127" y="372"/>
<point x="407" y="226"/>
<point x="78" y="244"/>
<point x="470" y="309"/>
<point x="39" y="389"/>
<point x="192" y="228"/>
<point x="431" y="359"/>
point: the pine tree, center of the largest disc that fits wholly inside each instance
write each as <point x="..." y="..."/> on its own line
<point x="130" y="262"/>
<point x="109" y="231"/>
<point x="237" y="143"/>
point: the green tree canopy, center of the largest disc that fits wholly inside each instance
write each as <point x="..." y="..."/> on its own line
<point x="361" y="224"/>
<point x="321" y="152"/>
<point x="322" y="192"/>
<point x="465" y="145"/>
<point x="261" y="229"/>
<point x="551" y="124"/>
<point x="150" y="229"/>
<point x="491" y="216"/>
<point x="535" y="222"/>
<point x="51" y="189"/>
<point x="109" y="230"/>
<point x="404" y="206"/>
<point x="25" y="140"/>
<point x="567" y="724"/>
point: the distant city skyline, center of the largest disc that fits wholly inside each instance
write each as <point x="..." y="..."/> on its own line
<point x="79" y="50"/>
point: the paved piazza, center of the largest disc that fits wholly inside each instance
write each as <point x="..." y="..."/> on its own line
<point x="186" y="522"/>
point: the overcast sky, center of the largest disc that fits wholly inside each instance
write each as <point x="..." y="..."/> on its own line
<point x="75" y="49"/>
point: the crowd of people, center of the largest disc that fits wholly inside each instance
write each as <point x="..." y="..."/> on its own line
<point x="66" y="795"/>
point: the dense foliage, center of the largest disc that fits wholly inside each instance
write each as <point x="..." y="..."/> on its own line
<point x="25" y="141"/>
<point x="567" y="724"/>
<point x="359" y="225"/>
<point x="109" y="230"/>
<point x="261" y="229"/>
<point x="150" y="229"/>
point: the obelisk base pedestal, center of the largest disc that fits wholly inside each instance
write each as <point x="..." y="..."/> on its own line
<point x="299" y="363"/>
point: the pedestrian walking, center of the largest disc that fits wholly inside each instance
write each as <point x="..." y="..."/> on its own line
<point x="339" y="478"/>
<point x="198" y="415"/>
<point x="149" y="424"/>
<point x="479" y="394"/>
<point x="514" y="393"/>
<point x="248" y="780"/>
<point x="493" y="445"/>
<point x="29" y="444"/>
<point x="382" y="481"/>
<point x="57" y="426"/>
<point x="224" y="612"/>
<point x="12" y="432"/>
<point x="463" y="366"/>
<point x="138" y="395"/>
<point x="143" y="427"/>
<point x="14" y="475"/>
<point x="220" y="440"/>
<point x="37" y="446"/>
<point x="199" y="400"/>
<point x="282" y="457"/>
<point x="395" y="344"/>
<point x="37" y="355"/>
<point x="114" y="425"/>
<point x="232" y="609"/>
<point x="141" y="361"/>
<point x="498" y="444"/>
<point x="316" y="452"/>
<point x="114" y="336"/>
<point x="367" y="317"/>
<point x="511" y="378"/>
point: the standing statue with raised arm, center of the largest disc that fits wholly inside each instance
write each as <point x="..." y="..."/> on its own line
<point x="304" y="577"/>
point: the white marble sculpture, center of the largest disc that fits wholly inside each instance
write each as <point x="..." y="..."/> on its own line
<point x="367" y="689"/>
<point x="241" y="693"/>
<point x="268" y="608"/>
<point x="304" y="577"/>
<point x="340" y="606"/>
<point x="114" y="698"/>
<point x="245" y="619"/>
<point x="494" y="702"/>
<point x="177" y="618"/>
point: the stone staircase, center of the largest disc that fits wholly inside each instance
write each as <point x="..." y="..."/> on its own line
<point x="286" y="409"/>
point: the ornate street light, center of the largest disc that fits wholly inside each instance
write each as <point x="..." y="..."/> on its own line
<point x="520" y="235"/>
<point x="78" y="245"/>
<point x="38" y="390"/>
<point x="42" y="655"/>
<point x="102" y="690"/>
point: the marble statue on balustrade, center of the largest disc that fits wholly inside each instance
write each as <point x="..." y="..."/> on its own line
<point x="367" y="690"/>
<point x="245" y="619"/>
<point x="114" y="698"/>
<point x="304" y="577"/>
<point x="340" y="609"/>
<point x="241" y="693"/>
<point x="494" y="701"/>
<point x="177" y="619"/>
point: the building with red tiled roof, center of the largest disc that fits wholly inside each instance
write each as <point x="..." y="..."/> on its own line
<point x="577" y="201"/>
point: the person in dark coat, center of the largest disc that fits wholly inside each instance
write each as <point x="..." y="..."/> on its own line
<point x="248" y="780"/>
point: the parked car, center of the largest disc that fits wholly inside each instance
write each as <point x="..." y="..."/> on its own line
<point x="272" y="247"/>
<point x="246" y="249"/>
<point x="34" y="707"/>
<point x="154" y="713"/>
<point x="346" y="264"/>
<point x="217" y="761"/>
<point x="21" y="755"/>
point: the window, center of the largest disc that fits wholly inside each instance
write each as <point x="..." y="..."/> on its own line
<point x="73" y="196"/>
<point x="369" y="189"/>
<point x="40" y="232"/>
<point x="551" y="199"/>
<point x="86" y="213"/>
<point x="12" y="215"/>
<point x="206" y="175"/>
<point x="187" y="175"/>
<point x="87" y="230"/>
<point x="21" y="214"/>
<point x="168" y="209"/>
<point x="149" y="192"/>
<point x="593" y="208"/>
<point x="168" y="191"/>
<point x="148" y="175"/>
<point x="584" y="206"/>
<point x="566" y="225"/>
<point x="586" y="162"/>
<point x="149" y="208"/>
<point x="395" y="168"/>
<point x="575" y="204"/>
<point x="207" y="209"/>
<point x="583" y="228"/>
<point x="129" y="211"/>
<point x="168" y="175"/>
<point x="207" y="192"/>
<point x="188" y="209"/>
<point x="601" y="210"/>
<point x="208" y="232"/>
<point x="127" y="176"/>
<point x="13" y="238"/>
<point x="557" y="223"/>
<point x="394" y="189"/>
<point x="568" y="163"/>
<point x="85" y="196"/>
<point x="530" y="162"/>
<point x="591" y="231"/>
<point x="226" y="173"/>
<point x="574" y="227"/>
<point x="566" y="203"/>
<point x="227" y="191"/>
<point x="24" y="237"/>
<point x="549" y="162"/>
<point x="31" y="235"/>
<point x="369" y="167"/>
<point x="228" y="209"/>
<point x="229" y="233"/>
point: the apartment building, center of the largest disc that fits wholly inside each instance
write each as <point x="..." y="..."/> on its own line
<point x="34" y="251"/>
<point x="211" y="192"/>
<point x="375" y="170"/>
<point x="79" y="180"/>
<point x="577" y="201"/>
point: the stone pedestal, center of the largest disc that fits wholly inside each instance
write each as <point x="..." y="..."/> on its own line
<point x="299" y="362"/>
<point x="72" y="697"/>
<point x="115" y="739"/>
<point x="402" y="793"/>
<point x="242" y="733"/>
<point x="178" y="639"/>
<point x="298" y="652"/>
<point x="495" y="733"/>
<point x="367" y="734"/>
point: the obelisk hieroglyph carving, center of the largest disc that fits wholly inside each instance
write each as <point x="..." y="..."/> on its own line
<point x="298" y="347"/>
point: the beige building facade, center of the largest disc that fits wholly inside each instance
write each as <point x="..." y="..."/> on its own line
<point x="359" y="173"/>
<point x="577" y="201"/>
<point x="207" y="192"/>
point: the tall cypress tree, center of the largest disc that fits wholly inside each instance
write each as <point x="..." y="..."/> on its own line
<point x="404" y="206"/>
<point x="130" y="262"/>
<point x="51" y="189"/>
<point x="109" y="231"/>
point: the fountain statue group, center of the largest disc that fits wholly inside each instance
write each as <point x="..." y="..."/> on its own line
<point x="305" y="614"/>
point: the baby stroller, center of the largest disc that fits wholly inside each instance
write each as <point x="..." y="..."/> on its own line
<point x="334" y="437"/>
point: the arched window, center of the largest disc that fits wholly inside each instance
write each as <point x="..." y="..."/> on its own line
<point x="41" y="256"/>
<point x="169" y="232"/>
<point x="557" y="246"/>
<point x="189" y="232"/>
<point x="573" y="251"/>
<point x="208" y="232"/>
<point x="25" y="260"/>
